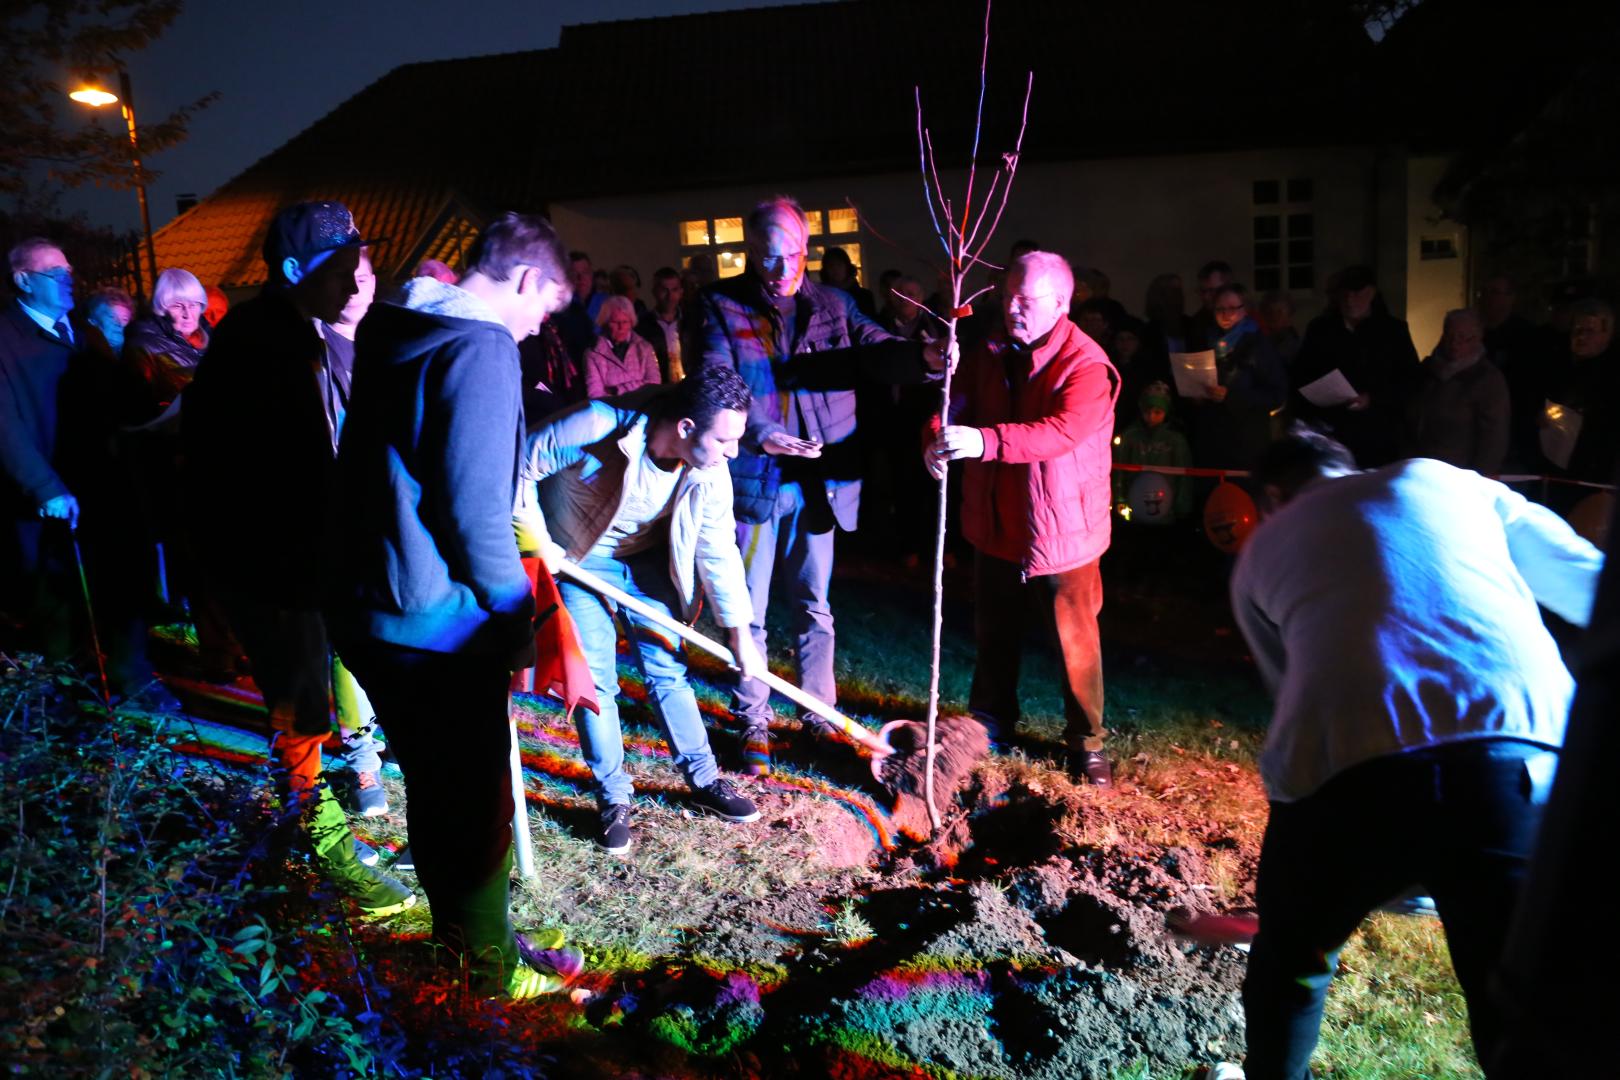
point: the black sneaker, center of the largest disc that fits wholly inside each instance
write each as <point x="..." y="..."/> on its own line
<point x="613" y="835"/>
<point x="722" y="800"/>
<point x="374" y="891"/>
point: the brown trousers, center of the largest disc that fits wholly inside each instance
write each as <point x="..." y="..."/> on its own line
<point x="1067" y="604"/>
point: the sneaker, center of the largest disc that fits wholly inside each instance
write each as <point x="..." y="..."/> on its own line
<point x="722" y="800"/>
<point x="1412" y="903"/>
<point x="526" y="982"/>
<point x="613" y="835"/>
<point x="756" y="744"/>
<point x="365" y="852"/>
<point x="403" y="861"/>
<point x="375" y="892"/>
<point x="371" y="799"/>
<point x="544" y="951"/>
<point x="1091" y="766"/>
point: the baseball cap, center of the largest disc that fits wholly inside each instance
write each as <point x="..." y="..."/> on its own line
<point x="309" y="232"/>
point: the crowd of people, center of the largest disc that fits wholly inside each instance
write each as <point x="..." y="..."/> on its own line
<point x="344" y="491"/>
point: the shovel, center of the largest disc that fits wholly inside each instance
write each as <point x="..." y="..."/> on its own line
<point x="876" y="743"/>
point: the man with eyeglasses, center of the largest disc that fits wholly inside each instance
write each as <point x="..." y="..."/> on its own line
<point x="36" y="342"/>
<point x="1033" y="415"/>
<point x="802" y="347"/>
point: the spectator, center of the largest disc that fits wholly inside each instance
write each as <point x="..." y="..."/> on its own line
<point x="1152" y="441"/>
<point x="218" y="305"/>
<point x="801" y="347"/>
<point x="1034" y="416"/>
<point x="1462" y="405"/>
<point x="1212" y="276"/>
<point x="1098" y="287"/>
<point x="1165" y="311"/>
<point x="1420" y="706"/>
<point x="1138" y="366"/>
<point x="666" y="327"/>
<point x="437" y="270"/>
<point x="1276" y="318"/>
<point x="429" y="602"/>
<point x="1589" y="382"/>
<point x="626" y="282"/>
<point x="1527" y="356"/>
<point x="261" y="417"/>
<point x="1373" y="350"/>
<point x="620" y="360"/>
<point x="551" y="380"/>
<point x="107" y="312"/>
<point x="636" y="491"/>
<point x="1233" y="422"/>
<point x="158" y="344"/>
<point x="36" y="341"/>
<point x="839" y="272"/>
<point x="576" y="323"/>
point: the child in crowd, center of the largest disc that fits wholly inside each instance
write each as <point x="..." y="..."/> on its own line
<point x="1151" y="441"/>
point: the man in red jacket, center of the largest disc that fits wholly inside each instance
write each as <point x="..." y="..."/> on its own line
<point x="1033" y="414"/>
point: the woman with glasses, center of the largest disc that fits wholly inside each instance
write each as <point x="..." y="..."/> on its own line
<point x="1232" y="424"/>
<point x="160" y="345"/>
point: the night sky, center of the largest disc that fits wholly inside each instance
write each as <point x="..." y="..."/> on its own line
<point x="281" y="66"/>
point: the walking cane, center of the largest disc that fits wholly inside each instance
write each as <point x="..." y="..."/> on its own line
<point x="90" y="615"/>
<point x="522" y="846"/>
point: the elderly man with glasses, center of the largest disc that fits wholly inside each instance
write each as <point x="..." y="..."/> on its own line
<point x="36" y="341"/>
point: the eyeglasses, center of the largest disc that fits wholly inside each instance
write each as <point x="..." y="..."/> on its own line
<point x="1227" y="310"/>
<point x="62" y="275"/>
<point x="185" y="305"/>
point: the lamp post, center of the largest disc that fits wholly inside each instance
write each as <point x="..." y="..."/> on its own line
<point x="94" y="96"/>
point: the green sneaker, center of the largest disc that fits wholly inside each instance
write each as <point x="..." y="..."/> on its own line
<point x="375" y="892"/>
<point x="525" y="983"/>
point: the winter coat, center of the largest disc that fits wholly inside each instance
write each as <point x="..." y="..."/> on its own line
<point x="1040" y="494"/>
<point x="608" y="376"/>
<point x="597" y="443"/>
<point x="1378" y="359"/>
<point x="165" y="359"/>
<point x="803" y="378"/>
<point x="1462" y="415"/>
<point x="427" y="470"/>
<point x="1232" y="432"/>
<point x="32" y="364"/>
<point x="257" y="448"/>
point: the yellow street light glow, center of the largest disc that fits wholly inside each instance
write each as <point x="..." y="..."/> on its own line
<point x="94" y="96"/>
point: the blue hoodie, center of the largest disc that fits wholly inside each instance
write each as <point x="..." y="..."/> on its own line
<point x="427" y="470"/>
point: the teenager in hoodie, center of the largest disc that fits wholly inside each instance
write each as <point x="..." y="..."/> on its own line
<point x="428" y="601"/>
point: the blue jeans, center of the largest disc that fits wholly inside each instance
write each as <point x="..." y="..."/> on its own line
<point x="799" y="537"/>
<point x="1460" y="820"/>
<point x="661" y="660"/>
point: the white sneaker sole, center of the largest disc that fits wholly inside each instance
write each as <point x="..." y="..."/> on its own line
<point x="391" y="909"/>
<point x="604" y="849"/>
<point x="743" y="820"/>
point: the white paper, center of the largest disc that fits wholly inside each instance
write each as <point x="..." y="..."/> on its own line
<point x="1330" y="390"/>
<point x="1561" y="428"/>
<point x="1194" y="372"/>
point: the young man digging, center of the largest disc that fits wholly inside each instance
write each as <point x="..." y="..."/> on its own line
<point x="636" y="490"/>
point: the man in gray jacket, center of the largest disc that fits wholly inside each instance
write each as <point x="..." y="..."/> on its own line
<point x="801" y="348"/>
<point x="635" y="490"/>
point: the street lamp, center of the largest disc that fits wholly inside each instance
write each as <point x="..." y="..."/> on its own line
<point x="97" y="96"/>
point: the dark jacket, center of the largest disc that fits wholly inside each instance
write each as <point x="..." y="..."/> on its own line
<point x="32" y="363"/>
<point x="743" y="330"/>
<point x="425" y="556"/>
<point x="1592" y="387"/>
<point x="167" y="361"/>
<point x="651" y="327"/>
<point x="257" y="448"/>
<point x="1378" y="359"/>
<point x="1462" y="414"/>
<point x="1232" y="432"/>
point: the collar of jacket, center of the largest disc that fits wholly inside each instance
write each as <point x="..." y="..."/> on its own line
<point x="1030" y="361"/>
<point x="633" y="443"/>
<point x="433" y="297"/>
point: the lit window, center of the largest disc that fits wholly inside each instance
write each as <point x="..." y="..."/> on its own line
<point x="731" y="263"/>
<point x="694" y="233"/>
<point x="813" y="219"/>
<point x="728" y="230"/>
<point x="843" y="221"/>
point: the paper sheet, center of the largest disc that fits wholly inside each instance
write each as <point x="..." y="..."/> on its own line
<point x="1194" y="372"/>
<point x="1561" y="429"/>
<point x="1330" y="390"/>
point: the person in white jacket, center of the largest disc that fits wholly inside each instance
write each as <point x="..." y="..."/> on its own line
<point x="1420" y="709"/>
<point x="637" y="491"/>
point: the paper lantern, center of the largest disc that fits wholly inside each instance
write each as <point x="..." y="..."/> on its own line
<point x="1151" y="500"/>
<point x="1229" y="517"/>
<point x="1591" y="516"/>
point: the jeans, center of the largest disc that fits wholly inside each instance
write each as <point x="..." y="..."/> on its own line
<point x="1067" y="604"/>
<point x="447" y="724"/>
<point x="799" y="536"/>
<point x="1459" y="820"/>
<point x="662" y="663"/>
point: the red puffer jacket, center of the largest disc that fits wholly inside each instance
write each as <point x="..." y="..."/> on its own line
<point x="1040" y="497"/>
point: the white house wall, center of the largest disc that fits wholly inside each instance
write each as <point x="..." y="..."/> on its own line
<point x="1134" y="218"/>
